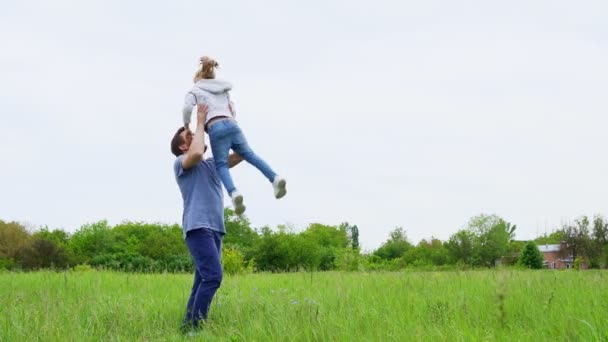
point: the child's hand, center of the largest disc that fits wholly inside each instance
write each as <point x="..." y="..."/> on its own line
<point x="201" y="113"/>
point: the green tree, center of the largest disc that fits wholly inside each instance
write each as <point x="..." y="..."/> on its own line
<point x="41" y="253"/>
<point x="271" y="252"/>
<point x="353" y="235"/>
<point x="481" y="224"/>
<point x="460" y="246"/>
<point x="330" y="239"/>
<point x="163" y="243"/>
<point x="12" y="237"/>
<point x="47" y="248"/>
<point x="349" y="260"/>
<point x="431" y="252"/>
<point x="396" y="246"/>
<point x="492" y="237"/>
<point x="240" y="234"/>
<point x="305" y="253"/>
<point x="513" y="252"/>
<point x="58" y="236"/>
<point x="129" y="237"/>
<point x="238" y="230"/>
<point x="494" y="244"/>
<point x="531" y="256"/>
<point x="550" y="239"/>
<point x="599" y="242"/>
<point x="328" y="236"/>
<point x="576" y="237"/>
<point x="91" y="240"/>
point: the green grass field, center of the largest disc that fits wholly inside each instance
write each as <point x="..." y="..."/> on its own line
<point x="449" y="306"/>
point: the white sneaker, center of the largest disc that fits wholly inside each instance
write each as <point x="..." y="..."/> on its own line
<point x="237" y="202"/>
<point x="279" y="184"/>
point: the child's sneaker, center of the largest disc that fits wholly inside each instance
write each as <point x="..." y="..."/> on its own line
<point x="279" y="185"/>
<point x="237" y="202"/>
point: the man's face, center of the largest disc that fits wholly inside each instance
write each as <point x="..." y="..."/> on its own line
<point x="186" y="140"/>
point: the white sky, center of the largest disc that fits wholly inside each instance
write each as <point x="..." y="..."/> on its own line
<point x="382" y="114"/>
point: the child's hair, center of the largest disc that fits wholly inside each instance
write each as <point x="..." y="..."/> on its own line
<point x="207" y="70"/>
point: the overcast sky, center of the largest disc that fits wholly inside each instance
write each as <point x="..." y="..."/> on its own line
<point x="418" y="114"/>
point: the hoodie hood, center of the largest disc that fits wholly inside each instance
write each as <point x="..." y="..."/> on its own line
<point x="213" y="86"/>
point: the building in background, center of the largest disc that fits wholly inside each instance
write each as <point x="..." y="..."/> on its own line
<point x="558" y="256"/>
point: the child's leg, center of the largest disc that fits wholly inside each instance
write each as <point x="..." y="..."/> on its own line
<point x="220" y="138"/>
<point x="240" y="146"/>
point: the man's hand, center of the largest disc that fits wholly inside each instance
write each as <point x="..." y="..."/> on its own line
<point x="201" y="114"/>
<point x="197" y="146"/>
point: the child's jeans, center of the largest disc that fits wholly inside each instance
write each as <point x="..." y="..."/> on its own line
<point x="224" y="135"/>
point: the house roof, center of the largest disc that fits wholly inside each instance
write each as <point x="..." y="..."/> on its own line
<point x="549" y="248"/>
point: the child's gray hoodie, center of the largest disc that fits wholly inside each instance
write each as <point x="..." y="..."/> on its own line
<point x="213" y="93"/>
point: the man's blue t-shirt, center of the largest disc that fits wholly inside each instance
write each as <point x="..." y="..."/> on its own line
<point x="201" y="190"/>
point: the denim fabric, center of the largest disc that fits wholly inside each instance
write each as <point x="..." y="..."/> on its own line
<point x="224" y="135"/>
<point x="205" y="246"/>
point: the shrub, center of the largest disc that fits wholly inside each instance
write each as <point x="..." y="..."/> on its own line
<point x="577" y="263"/>
<point x="233" y="261"/>
<point x="7" y="264"/>
<point x="348" y="260"/>
<point x="82" y="268"/>
<point x="531" y="256"/>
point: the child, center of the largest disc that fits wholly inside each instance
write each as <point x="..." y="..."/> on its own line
<point x="224" y="132"/>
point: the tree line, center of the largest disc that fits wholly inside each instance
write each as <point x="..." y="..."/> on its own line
<point x="486" y="241"/>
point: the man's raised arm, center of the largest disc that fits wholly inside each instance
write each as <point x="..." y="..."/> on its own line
<point x="197" y="147"/>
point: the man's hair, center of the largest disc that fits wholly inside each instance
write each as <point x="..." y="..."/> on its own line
<point x="176" y="141"/>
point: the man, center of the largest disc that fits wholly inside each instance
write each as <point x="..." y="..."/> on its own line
<point x="203" y="217"/>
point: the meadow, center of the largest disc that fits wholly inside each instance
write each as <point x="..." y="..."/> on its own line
<point x="484" y="305"/>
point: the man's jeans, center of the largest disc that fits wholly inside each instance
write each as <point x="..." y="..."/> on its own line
<point x="224" y="135"/>
<point x="205" y="246"/>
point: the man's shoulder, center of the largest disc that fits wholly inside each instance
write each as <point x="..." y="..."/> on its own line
<point x="178" y="162"/>
<point x="209" y="162"/>
<point x="178" y="168"/>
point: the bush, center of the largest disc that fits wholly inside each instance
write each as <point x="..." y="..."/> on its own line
<point x="531" y="256"/>
<point x="251" y="266"/>
<point x="577" y="263"/>
<point x="177" y="263"/>
<point x="233" y="261"/>
<point x="82" y="268"/>
<point x="349" y="260"/>
<point x="7" y="264"/>
<point x="373" y="262"/>
<point x="141" y="264"/>
<point x="13" y="236"/>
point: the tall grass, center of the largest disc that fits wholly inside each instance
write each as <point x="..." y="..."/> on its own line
<point x="444" y="306"/>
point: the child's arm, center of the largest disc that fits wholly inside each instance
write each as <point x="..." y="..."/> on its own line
<point x="189" y="102"/>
